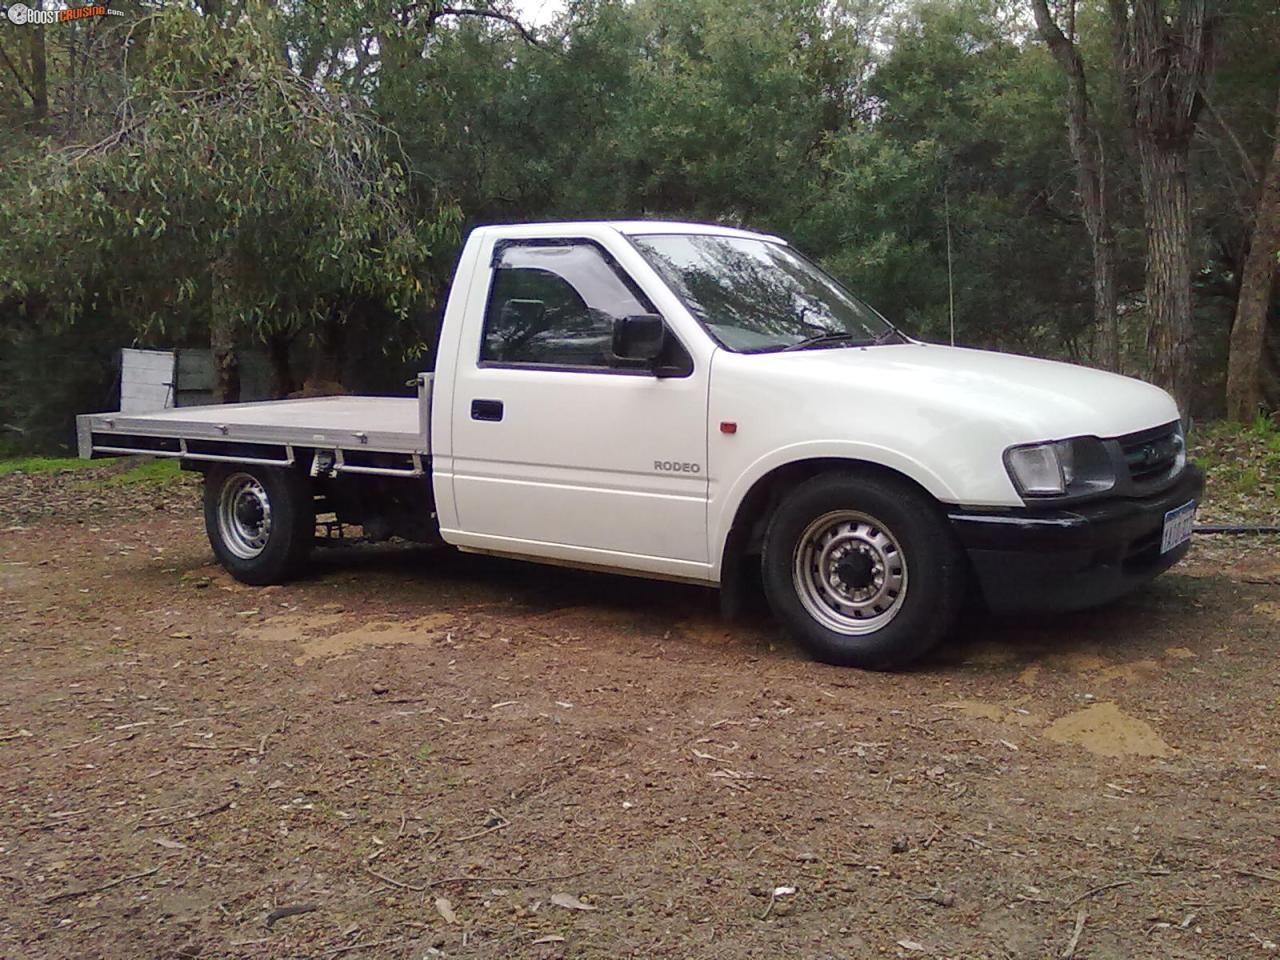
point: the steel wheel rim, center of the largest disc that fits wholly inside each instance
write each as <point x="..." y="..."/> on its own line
<point x="244" y="516"/>
<point x="850" y="573"/>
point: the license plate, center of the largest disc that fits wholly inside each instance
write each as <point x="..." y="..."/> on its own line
<point x="1178" y="524"/>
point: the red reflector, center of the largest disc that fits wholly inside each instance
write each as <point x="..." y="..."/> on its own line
<point x="728" y="426"/>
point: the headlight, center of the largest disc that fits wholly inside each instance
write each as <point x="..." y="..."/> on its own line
<point x="1076" y="466"/>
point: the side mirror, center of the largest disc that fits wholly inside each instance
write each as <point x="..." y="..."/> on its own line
<point x="638" y="340"/>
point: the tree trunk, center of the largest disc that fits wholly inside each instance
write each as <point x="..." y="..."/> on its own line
<point x="1249" y="333"/>
<point x="1167" y="211"/>
<point x="1106" y="315"/>
<point x="1270" y="372"/>
<point x="39" y="69"/>
<point x="1091" y="181"/>
<point x="1165" y="61"/>
<point x="329" y="359"/>
<point x="282" y="379"/>
<point x="222" y="344"/>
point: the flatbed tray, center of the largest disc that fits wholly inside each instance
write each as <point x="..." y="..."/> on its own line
<point x="372" y="424"/>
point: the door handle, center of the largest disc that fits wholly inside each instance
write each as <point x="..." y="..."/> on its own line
<point x="490" y="410"/>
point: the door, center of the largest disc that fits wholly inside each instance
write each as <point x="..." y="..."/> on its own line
<point x="558" y="450"/>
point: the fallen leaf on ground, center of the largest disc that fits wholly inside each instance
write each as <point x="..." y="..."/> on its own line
<point x="445" y="909"/>
<point x="570" y="902"/>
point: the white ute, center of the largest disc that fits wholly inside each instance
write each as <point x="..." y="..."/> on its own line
<point x="704" y="404"/>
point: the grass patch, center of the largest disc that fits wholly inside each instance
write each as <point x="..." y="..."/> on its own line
<point x="1264" y="428"/>
<point x="32" y="465"/>
<point x="1242" y="467"/>
<point x="1248" y="480"/>
<point x="150" y="473"/>
<point x="111" y="472"/>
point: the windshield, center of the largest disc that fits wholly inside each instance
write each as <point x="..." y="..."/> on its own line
<point x="756" y="296"/>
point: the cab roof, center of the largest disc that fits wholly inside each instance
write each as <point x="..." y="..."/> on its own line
<point x="628" y="227"/>
<point x="642" y="227"/>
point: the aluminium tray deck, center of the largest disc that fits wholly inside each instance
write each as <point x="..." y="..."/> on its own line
<point x="268" y="432"/>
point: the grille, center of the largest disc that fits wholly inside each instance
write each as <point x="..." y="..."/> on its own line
<point x="1152" y="454"/>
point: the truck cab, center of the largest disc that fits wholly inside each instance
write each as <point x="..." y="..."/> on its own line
<point x="704" y="404"/>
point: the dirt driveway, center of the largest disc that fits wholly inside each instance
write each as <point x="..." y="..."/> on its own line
<point x="416" y="754"/>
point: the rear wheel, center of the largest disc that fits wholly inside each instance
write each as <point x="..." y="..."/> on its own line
<point x="862" y="570"/>
<point x="260" y="520"/>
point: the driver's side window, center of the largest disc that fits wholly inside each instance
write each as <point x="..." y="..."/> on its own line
<point x="555" y="304"/>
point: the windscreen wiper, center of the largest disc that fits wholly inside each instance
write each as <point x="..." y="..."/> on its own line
<point x="841" y="336"/>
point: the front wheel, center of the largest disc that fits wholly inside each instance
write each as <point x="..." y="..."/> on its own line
<point x="261" y="521"/>
<point x="862" y="570"/>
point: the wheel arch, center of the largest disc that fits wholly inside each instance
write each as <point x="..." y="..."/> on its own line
<point x="751" y="508"/>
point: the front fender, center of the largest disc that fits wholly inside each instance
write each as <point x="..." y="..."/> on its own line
<point x="725" y="508"/>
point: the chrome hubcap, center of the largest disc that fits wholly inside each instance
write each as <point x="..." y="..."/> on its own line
<point x="850" y="573"/>
<point x="244" y="516"/>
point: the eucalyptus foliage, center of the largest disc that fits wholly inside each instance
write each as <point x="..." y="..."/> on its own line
<point x="220" y="185"/>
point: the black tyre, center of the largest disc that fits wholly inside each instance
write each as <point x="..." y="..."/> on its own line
<point x="261" y="521"/>
<point x="862" y="570"/>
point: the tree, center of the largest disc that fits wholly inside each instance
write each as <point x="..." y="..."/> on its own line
<point x="962" y="123"/>
<point x="1163" y="60"/>
<point x="227" y="191"/>
<point x="1248" y="333"/>
<point x="1087" y="151"/>
<point x="39" y="71"/>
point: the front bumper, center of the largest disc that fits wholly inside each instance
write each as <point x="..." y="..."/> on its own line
<point x="1066" y="559"/>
